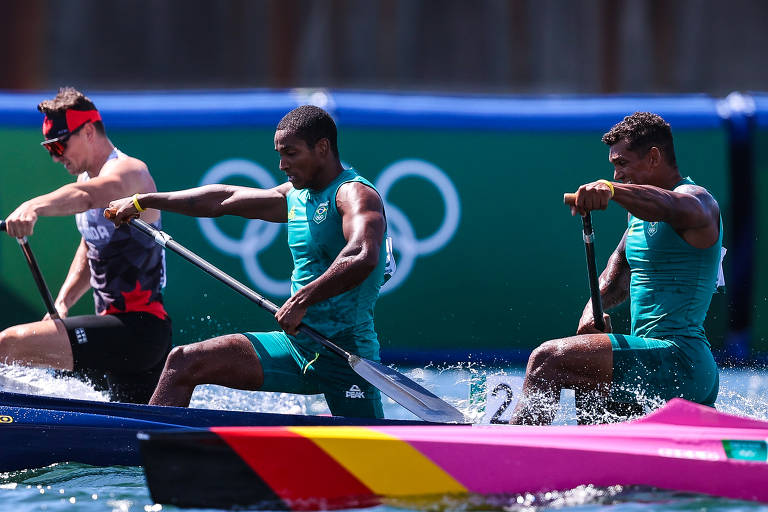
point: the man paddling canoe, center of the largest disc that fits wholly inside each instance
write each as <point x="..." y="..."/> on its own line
<point x="666" y="263"/>
<point x="124" y="345"/>
<point x="336" y="232"/>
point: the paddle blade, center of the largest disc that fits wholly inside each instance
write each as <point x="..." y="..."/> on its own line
<point x="407" y="393"/>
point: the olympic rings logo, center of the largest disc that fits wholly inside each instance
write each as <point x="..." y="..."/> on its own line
<point x="258" y="235"/>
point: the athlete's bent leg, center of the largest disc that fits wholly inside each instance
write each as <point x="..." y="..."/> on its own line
<point x="228" y="360"/>
<point x="42" y="344"/>
<point x="583" y="363"/>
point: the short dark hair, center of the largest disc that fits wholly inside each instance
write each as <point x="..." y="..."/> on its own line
<point x="642" y="131"/>
<point x="69" y="98"/>
<point x="310" y="124"/>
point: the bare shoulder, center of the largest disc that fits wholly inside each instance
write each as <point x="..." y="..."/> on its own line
<point x="702" y="195"/>
<point x="359" y="197"/>
<point x="691" y="189"/>
<point x="124" y="165"/>
<point x="121" y="177"/>
<point x="698" y="217"/>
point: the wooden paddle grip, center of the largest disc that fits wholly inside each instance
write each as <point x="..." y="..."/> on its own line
<point x="569" y="199"/>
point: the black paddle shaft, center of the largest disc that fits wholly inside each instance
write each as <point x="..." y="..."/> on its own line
<point x="37" y="275"/>
<point x="594" y="284"/>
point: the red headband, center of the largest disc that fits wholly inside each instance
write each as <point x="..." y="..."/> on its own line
<point x="59" y="126"/>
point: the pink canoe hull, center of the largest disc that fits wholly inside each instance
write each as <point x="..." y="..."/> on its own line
<point x="647" y="452"/>
<point x="683" y="446"/>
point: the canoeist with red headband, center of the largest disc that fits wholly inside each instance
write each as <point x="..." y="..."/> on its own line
<point x="123" y="346"/>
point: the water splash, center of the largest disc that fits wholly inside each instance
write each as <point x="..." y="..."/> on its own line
<point x="41" y="381"/>
<point x="744" y="392"/>
<point x="210" y="396"/>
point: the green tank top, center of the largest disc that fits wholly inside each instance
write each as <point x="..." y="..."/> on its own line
<point x="315" y="238"/>
<point x="671" y="282"/>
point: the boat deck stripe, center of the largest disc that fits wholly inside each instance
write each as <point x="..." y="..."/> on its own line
<point x="281" y="458"/>
<point x="384" y="463"/>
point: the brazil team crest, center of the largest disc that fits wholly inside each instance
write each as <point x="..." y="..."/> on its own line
<point x="321" y="212"/>
<point x="653" y="227"/>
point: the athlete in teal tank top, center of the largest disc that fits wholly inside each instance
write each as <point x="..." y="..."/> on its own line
<point x="666" y="264"/>
<point x="315" y="238"/>
<point x="298" y="364"/>
<point x="672" y="282"/>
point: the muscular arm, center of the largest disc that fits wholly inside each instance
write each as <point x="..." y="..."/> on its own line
<point x="118" y="178"/>
<point x="80" y="196"/>
<point x="363" y="225"/>
<point x="614" y="286"/>
<point x="211" y="201"/>
<point x="689" y="209"/>
<point x="76" y="283"/>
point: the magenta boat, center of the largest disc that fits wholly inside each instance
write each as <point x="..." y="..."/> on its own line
<point x="683" y="446"/>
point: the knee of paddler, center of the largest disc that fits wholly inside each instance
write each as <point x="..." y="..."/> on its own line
<point x="181" y="364"/>
<point x="547" y="359"/>
<point x="9" y="342"/>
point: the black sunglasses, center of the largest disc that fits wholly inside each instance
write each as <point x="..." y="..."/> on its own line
<point x="57" y="146"/>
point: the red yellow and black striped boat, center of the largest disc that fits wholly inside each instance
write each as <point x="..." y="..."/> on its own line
<point x="682" y="446"/>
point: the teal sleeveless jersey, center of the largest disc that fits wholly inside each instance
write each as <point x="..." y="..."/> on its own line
<point x="671" y="282"/>
<point x="315" y="238"/>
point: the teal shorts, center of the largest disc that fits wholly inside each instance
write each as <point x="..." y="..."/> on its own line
<point x="290" y="367"/>
<point x="650" y="368"/>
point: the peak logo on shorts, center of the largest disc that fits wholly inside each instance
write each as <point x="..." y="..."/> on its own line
<point x="321" y="212"/>
<point x="355" y="392"/>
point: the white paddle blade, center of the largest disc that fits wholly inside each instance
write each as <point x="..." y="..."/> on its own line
<point x="405" y="392"/>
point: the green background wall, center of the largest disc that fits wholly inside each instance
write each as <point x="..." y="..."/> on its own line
<point x="512" y="275"/>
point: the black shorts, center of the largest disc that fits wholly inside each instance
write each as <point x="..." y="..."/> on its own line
<point x="122" y="353"/>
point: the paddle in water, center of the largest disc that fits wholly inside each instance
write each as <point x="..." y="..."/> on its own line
<point x="395" y="385"/>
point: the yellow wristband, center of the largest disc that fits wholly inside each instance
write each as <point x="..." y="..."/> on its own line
<point x="610" y="186"/>
<point x="135" y="198"/>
